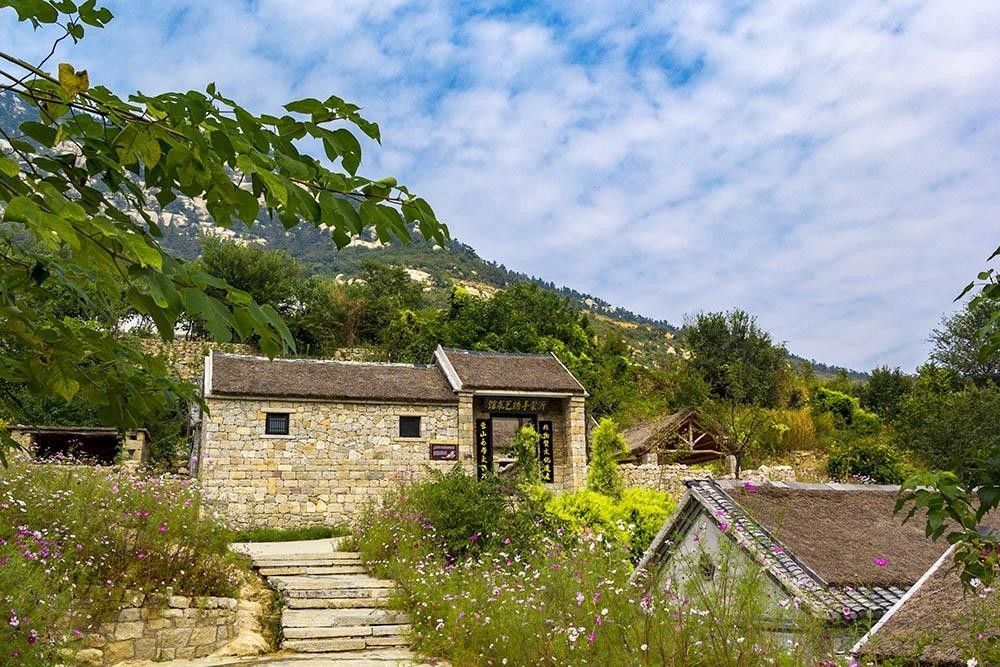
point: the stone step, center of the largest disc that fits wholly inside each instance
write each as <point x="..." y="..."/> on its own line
<point x="348" y="631"/>
<point x="335" y="593"/>
<point x="328" y="581"/>
<point x="305" y="562"/>
<point x="371" y="657"/>
<point x="285" y="570"/>
<point x="336" y="603"/>
<point x="298" y="556"/>
<point x="335" y="644"/>
<point x="322" y="618"/>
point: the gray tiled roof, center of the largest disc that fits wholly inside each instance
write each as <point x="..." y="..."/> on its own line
<point x="499" y="371"/>
<point x="244" y="376"/>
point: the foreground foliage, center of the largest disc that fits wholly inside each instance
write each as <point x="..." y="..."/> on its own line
<point x="78" y="184"/>
<point x="75" y="541"/>
<point x="536" y="593"/>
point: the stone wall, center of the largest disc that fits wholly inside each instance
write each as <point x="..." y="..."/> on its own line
<point x="669" y="477"/>
<point x="337" y="457"/>
<point x="181" y="628"/>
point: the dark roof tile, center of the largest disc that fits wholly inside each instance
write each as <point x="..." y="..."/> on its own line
<point x="486" y="371"/>
<point x="237" y="375"/>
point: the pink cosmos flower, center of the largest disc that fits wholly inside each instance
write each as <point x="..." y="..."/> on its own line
<point x="881" y="562"/>
<point x="723" y="526"/>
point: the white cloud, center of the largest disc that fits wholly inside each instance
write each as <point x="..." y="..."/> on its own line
<point x="828" y="166"/>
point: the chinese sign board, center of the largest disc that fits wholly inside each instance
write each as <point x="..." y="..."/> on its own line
<point x="545" y="452"/>
<point x="444" y="452"/>
<point x="484" y="447"/>
<point x="516" y="405"/>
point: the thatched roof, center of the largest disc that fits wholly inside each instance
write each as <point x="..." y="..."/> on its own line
<point x="494" y="371"/>
<point x="839" y="532"/>
<point x="682" y="436"/>
<point x="938" y="622"/>
<point x="238" y="375"/>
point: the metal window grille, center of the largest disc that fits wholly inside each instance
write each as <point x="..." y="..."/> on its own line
<point x="276" y="423"/>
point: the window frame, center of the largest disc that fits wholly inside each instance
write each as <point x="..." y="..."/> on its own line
<point x="409" y="419"/>
<point x="267" y="423"/>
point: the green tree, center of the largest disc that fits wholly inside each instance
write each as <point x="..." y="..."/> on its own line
<point x="327" y="317"/>
<point x="746" y="430"/>
<point x="959" y="339"/>
<point x="954" y="431"/>
<point x="603" y="475"/>
<point x="952" y="505"/>
<point x="385" y="290"/>
<point x="270" y="277"/>
<point x="74" y="180"/>
<point x="720" y="341"/>
<point x="885" y="390"/>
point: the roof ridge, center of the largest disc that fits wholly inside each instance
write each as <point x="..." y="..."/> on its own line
<point x="809" y="486"/>
<point x="485" y="353"/>
<point x="342" y="362"/>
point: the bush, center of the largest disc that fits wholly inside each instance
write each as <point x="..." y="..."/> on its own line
<point x="464" y="514"/>
<point x="868" y="459"/>
<point x="837" y="403"/>
<point x="603" y="475"/>
<point x="83" y="539"/>
<point x="631" y="521"/>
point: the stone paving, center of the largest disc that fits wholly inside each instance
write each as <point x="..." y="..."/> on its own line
<point x="333" y="609"/>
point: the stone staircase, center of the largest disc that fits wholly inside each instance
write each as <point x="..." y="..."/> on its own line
<point x="332" y="606"/>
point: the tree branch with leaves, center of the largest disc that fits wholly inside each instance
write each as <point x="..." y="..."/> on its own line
<point x="80" y="185"/>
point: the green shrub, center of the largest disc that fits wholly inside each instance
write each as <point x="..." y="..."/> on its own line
<point x="632" y="520"/>
<point x="868" y="458"/>
<point x="837" y="403"/>
<point x="603" y="475"/>
<point x="864" y="422"/>
<point x="463" y="513"/>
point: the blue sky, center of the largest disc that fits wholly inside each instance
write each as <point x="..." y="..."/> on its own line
<point x="830" y="167"/>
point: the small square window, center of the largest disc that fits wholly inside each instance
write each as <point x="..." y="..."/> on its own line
<point x="409" y="427"/>
<point x="276" y="423"/>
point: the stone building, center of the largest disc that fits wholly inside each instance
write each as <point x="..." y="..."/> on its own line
<point x="301" y="441"/>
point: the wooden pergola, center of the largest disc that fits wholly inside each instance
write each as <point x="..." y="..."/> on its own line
<point x="682" y="437"/>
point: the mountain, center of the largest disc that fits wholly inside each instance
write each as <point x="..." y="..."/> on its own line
<point x="185" y="220"/>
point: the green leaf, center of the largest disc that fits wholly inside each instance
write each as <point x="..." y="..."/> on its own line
<point x="135" y="143"/>
<point x="216" y="317"/>
<point x="308" y="105"/>
<point x="9" y="167"/>
<point x="275" y="185"/>
<point x="51" y="229"/>
<point x="35" y="11"/>
<point x="43" y="134"/>
<point x="73" y="81"/>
